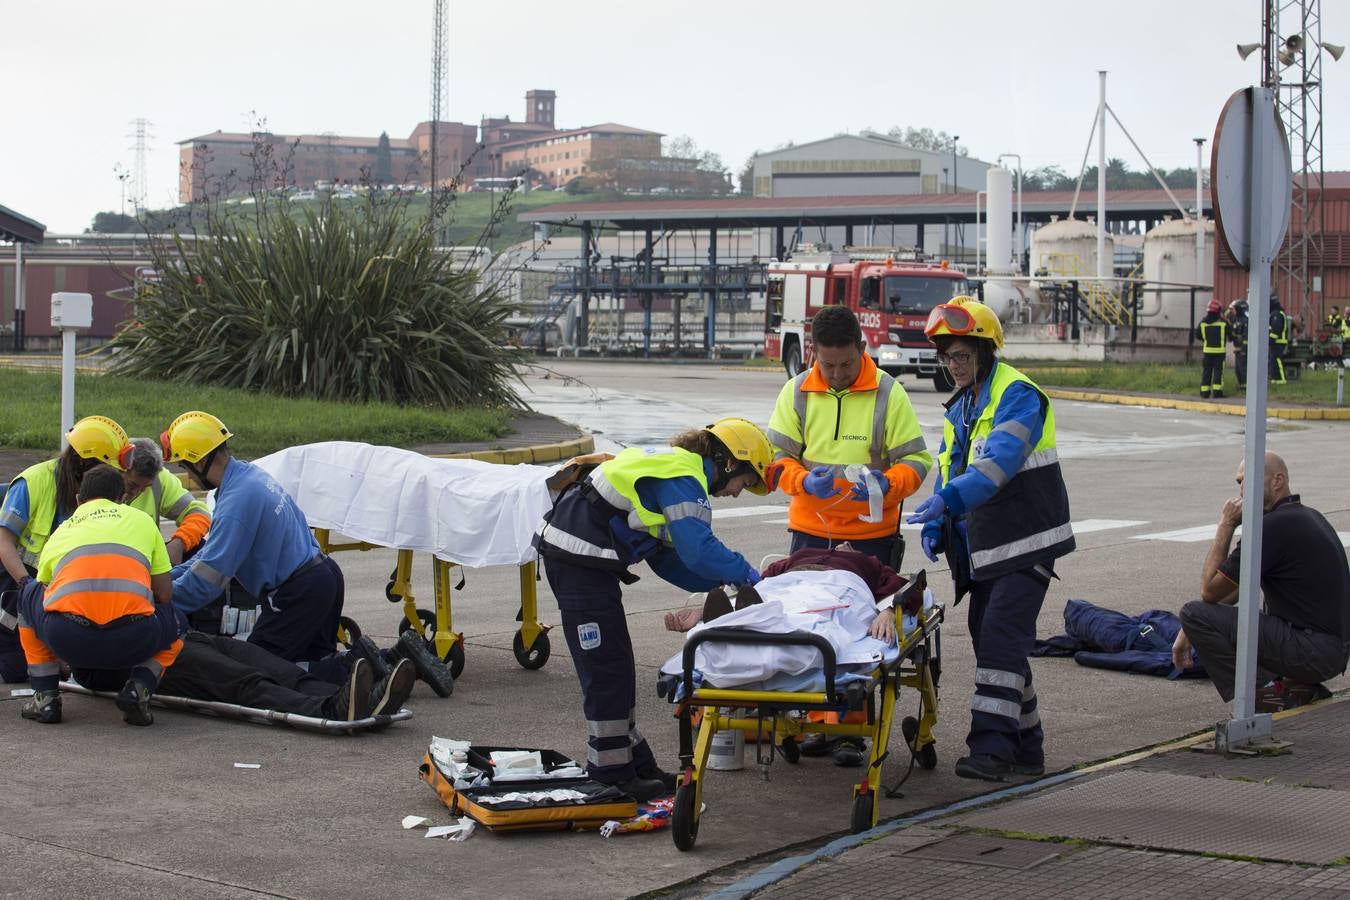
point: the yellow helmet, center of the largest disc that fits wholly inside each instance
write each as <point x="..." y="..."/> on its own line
<point x="965" y="317"/>
<point x="747" y="443"/>
<point x="192" y="436"/>
<point x="100" y="438"/>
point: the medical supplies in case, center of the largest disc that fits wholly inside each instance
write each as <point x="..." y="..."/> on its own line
<point x="520" y="789"/>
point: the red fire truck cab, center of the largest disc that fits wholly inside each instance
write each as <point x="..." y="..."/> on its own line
<point x="891" y="299"/>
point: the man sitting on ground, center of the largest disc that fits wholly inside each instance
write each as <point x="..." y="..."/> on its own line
<point x="1304" y="635"/>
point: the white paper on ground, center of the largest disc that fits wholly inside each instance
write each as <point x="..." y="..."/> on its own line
<point x="460" y="831"/>
<point x="415" y="821"/>
<point x="248" y="765"/>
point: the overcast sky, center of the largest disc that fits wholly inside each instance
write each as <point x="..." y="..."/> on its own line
<point x="1008" y="77"/>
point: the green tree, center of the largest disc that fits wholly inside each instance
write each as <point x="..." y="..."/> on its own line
<point x="114" y="223"/>
<point x="745" y="179"/>
<point x="384" y="161"/>
<point x="925" y="139"/>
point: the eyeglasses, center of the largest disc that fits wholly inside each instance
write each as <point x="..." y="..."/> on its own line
<point x="957" y="319"/>
<point x="960" y="358"/>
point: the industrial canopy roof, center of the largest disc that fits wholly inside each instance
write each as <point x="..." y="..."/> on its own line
<point x="19" y="229"/>
<point x="760" y="212"/>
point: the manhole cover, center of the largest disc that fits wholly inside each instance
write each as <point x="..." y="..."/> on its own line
<point x="987" y="850"/>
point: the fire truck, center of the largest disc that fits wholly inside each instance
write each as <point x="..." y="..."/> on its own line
<point x="892" y="300"/>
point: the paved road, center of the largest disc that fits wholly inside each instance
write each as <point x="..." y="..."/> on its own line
<point x="97" y="806"/>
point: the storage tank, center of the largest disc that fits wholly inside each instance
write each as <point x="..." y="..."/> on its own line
<point x="1169" y="267"/>
<point x="1068" y="249"/>
<point x="998" y="187"/>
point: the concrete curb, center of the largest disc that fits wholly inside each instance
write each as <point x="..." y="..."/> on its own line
<point x="1205" y="406"/>
<point x="541" y="453"/>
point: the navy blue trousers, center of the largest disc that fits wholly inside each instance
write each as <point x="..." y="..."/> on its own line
<point x="1004" y="721"/>
<point x="591" y="605"/>
<point x="299" y="620"/>
<point x="122" y="646"/>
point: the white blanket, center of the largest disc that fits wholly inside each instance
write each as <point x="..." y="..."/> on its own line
<point x="462" y="510"/>
<point x="834" y="604"/>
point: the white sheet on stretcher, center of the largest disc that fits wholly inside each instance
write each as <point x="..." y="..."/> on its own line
<point x="834" y="604"/>
<point x="463" y="510"/>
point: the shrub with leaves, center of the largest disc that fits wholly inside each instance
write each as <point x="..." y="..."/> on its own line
<point x="342" y="302"/>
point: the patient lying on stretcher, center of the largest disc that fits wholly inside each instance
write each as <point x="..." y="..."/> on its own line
<point x="882" y="580"/>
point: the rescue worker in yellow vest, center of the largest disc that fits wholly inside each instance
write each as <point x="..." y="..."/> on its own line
<point x="1000" y="511"/>
<point x="844" y="412"/>
<point x="158" y="493"/>
<point x="1334" y="321"/>
<point x="39" y="499"/>
<point x="1280" y="327"/>
<point x="1213" y="335"/>
<point x="105" y="605"/>
<point x="644" y="504"/>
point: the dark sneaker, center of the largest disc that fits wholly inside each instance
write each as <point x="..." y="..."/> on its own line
<point x="134" y="702"/>
<point x="363" y="647"/>
<point x="669" y="780"/>
<point x="43" y="707"/>
<point x="393" y="690"/>
<point x="1033" y="769"/>
<point x="433" y="671"/>
<point x="352" y="701"/>
<point x="818" y="745"/>
<point x="850" y="753"/>
<point x="983" y="767"/>
<point x="644" y="789"/>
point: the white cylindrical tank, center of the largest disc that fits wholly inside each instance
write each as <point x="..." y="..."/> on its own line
<point x="998" y="187"/>
<point x="1067" y="249"/>
<point x="1170" y="266"/>
<point x="1005" y="298"/>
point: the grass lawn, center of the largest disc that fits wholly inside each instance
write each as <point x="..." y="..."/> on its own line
<point x="260" y="423"/>
<point x="1314" y="388"/>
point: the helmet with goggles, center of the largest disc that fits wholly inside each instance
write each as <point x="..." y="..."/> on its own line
<point x="965" y="317"/>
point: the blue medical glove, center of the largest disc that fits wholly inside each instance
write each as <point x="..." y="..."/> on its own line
<point x="929" y="510"/>
<point x="931" y="541"/>
<point x="819" y="482"/>
<point x="860" y="487"/>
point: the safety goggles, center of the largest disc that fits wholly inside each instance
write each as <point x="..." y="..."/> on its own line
<point x="957" y="319"/>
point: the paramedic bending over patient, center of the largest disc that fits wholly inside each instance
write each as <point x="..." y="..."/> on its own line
<point x="641" y="505"/>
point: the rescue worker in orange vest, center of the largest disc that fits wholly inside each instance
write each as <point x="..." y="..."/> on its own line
<point x="1213" y="334"/>
<point x="845" y="411"/>
<point x="105" y="604"/>
<point x="1000" y="511"/>
<point x="39" y="499"/>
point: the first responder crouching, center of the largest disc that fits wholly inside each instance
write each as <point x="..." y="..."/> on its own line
<point x="644" y="504"/>
<point x="101" y="601"/>
<point x="1000" y="511"/>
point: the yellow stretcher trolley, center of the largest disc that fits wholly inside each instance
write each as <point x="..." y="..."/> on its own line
<point x="775" y="714"/>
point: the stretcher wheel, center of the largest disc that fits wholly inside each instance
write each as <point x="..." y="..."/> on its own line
<point x="350" y="632"/>
<point x="389" y="588"/>
<point x="454" y="657"/>
<point x="533" y="658"/>
<point x="925" y="756"/>
<point x="684" y="818"/>
<point x="791" y="750"/>
<point x="863" y="805"/>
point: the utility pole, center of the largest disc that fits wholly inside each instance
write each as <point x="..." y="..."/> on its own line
<point x="121" y="174"/>
<point x="438" y="53"/>
<point x="1199" y="211"/>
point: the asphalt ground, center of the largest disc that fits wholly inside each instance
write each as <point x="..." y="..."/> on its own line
<point x="99" y="807"/>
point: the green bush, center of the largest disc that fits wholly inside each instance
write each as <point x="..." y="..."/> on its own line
<point x="343" y="302"/>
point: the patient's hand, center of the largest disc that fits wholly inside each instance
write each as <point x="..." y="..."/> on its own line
<point x="684" y="619"/>
<point x="883" y="626"/>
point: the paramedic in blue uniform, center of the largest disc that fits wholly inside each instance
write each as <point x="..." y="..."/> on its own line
<point x="1000" y="511"/>
<point x="641" y="505"/>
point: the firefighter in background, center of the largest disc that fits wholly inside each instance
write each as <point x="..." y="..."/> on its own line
<point x="644" y="504"/>
<point x="39" y="499"/>
<point x="1280" y="326"/>
<point x="1213" y="335"/>
<point x="1335" y="322"/>
<point x="1238" y="330"/>
<point x="106" y="603"/>
<point x="1000" y="511"/>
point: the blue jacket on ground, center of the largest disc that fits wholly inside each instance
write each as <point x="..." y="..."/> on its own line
<point x="258" y="536"/>
<point x="1106" y="639"/>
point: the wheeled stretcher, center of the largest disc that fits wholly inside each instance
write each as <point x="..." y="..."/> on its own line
<point x="463" y="512"/>
<point x="776" y="715"/>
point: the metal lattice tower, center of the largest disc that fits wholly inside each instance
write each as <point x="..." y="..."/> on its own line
<point x="438" y="54"/>
<point x="139" y="188"/>
<point x="1291" y="65"/>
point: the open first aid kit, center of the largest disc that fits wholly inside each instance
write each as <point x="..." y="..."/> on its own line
<point x="520" y="789"/>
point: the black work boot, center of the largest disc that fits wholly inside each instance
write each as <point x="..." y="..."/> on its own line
<point x="134" y="702"/>
<point x="352" y="700"/>
<point x="644" y="789"/>
<point x="389" y="695"/>
<point x="43" y="707"/>
<point x="983" y="767"/>
<point x="430" y="669"/>
<point x="850" y="752"/>
<point x="363" y="647"/>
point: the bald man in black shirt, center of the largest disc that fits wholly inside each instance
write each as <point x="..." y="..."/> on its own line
<point x="1304" y="631"/>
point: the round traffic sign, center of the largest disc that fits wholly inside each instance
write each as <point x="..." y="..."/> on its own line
<point x="1232" y="180"/>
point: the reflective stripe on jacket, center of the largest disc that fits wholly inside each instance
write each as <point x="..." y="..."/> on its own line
<point x="1214" y="334"/>
<point x="616" y="482"/>
<point x="99" y="562"/>
<point x="1025" y="521"/>
<point x="870" y="423"/>
<point x="40" y="481"/>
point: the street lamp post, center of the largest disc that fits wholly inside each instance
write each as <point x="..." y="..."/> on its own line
<point x="1018" y="245"/>
<point x="955" y="138"/>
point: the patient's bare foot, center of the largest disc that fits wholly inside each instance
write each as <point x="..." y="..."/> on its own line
<point x="684" y="619"/>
